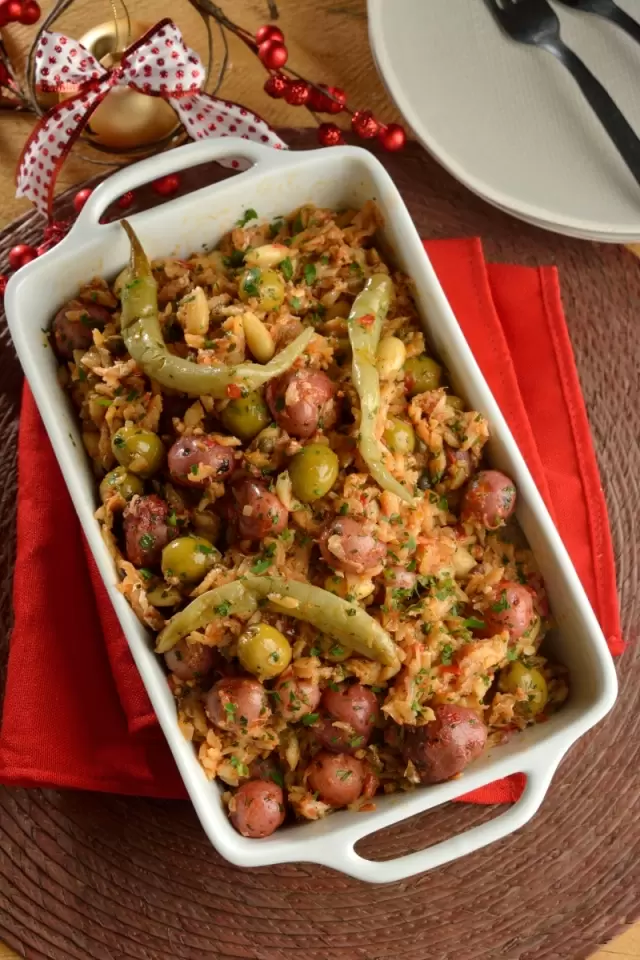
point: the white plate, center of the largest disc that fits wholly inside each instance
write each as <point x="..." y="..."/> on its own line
<point x="508" y="120"/>
<point x="279" y="182"/>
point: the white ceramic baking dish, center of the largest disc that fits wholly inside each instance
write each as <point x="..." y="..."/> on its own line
<point x="276" y="184"/>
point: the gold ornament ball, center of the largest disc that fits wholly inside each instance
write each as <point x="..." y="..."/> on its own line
<point x="125" y="119"/>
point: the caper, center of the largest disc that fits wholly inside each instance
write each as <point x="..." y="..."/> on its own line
<point x="399" y="436"/>
<point x="313" y="472"/>
<point x="188" y="559"/>
<point x="530" y="681"/>
<point x="266" y="286"/>
<point x="120" y="481"/>
<point x="422" y="374"/>
<point x="140" y="451"/>
<point x="245" y="417"/>
<point x="264" y="651"/>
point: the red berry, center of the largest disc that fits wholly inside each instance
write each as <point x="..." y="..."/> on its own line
<point x="126" y="200"/>
<point x="30" y="13"/>
<point x="321" y="103"/>
<point x="365" y="124"/>
<point x="12" y="10"/>
<point x="165" y="186"/>
<point x="297" y="93"/>
<point x="4" y="280"/>
<point x="21" y="254"/>
<point x="43" y="248"/>
<point x="269" y="32"/>
<point x="276" y="86"/>
<point x="273" y="54"/>
<point x="329" y="135"/>
<point x="81" y="198"/>
<point x="392" y="137"/>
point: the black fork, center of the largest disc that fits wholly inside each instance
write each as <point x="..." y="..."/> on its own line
<point x="535" y="22"/>
<point x="610" y="11"/>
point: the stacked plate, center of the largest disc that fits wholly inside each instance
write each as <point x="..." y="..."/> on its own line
<point x="508" y="120"/>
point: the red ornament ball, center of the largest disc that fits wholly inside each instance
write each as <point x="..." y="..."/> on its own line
<point x="4" y="280"/>
<point x="11" y="11"/>
<point x="81" y="198"/>
<point x="30" y="13"/>
<point x="365" y="124"/>
<point x="166" y="186"/>
<point x="297" y="93"/>
<point x="321" y="103"/>
<point x="21" y="255"/>
<point x="329" y="135"/>
<point x="276" y="86"/>
<point x="126" y="200"/>
<point x="273" y="54"/>
<point x="392" y="137"/>
<point x="269" y="32"/>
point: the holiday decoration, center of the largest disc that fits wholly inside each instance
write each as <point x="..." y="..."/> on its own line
<point x="329" y="135"/>
<point x="166" y="186"/>
<point x="392" y="137"/>
<point x="158" y="63"/>
<point x="81" y="198"/>
<point x="21" y="254"/>
<point x="126" y="200"/>
<point x="126" y="119"/>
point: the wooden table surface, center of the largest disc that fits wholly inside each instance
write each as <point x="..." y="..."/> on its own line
<point x="327" y="42"/>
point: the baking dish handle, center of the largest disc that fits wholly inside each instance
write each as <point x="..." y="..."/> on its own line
<point x="333" y="854"/>
<point x="189" y="155"/>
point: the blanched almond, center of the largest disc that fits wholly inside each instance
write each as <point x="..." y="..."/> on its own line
<point x="259" y="340"/>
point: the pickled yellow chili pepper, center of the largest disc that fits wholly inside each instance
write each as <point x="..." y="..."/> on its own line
<point x="143" y="339"/>
<point x="365" y="324"/>
<point x="330" y="614"/>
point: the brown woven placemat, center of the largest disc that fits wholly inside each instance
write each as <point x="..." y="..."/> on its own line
<point x="90" y="876"/>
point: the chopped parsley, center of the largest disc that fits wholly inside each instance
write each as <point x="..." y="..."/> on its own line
<point x="472" y="623"/>
<point x="309" y="274"/>
<point x="344" y="774"/>
<point x="204" y="548"/>
<point x="310" y="718"/>
<point x="145" y="573"/>
<point x="296" y="303"/>
<point x="297" y="225"/>
<point x="314" y="652"/>
<point x="235" y="260"/>
<point x="238" y="765"/>
<point x="146" y="541"/>
<point x="251" y="282"/>
<point x="275" y="228"/>
<point x="446" y="654"/>
<point x="512" y="653"/>
<point x="501" y="604"/>
<point x="287" y="268"/>
<point x="249" y="214"/>
<point x="230" y="708"/>
<point x="222" y="609"/>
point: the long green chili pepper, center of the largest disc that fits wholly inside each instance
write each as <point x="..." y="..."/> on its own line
<point x="330" y="614"/>
<point x="143" y="339"/>
<point x="365" y="324"/>
<point x="230" y="599"/>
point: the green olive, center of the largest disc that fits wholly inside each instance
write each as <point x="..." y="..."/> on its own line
<point x="120" y="481"/>
<point x="140" y="451"/>
<point x="400" y="436"/>
<point x="422" y="374"/>
<point x="313" y="472"/>
<point x="246" y="416"/>
<point x="188" y="559"/>
<point x="455" y="402"/>
<point x="265" y="285"/>
<point x="264" y="651"/>
<point x="519" y="677"/>
<point x="164" y="596"/>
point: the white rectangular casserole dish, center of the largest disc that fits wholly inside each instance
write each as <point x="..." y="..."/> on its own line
<point x="276" y="184"/>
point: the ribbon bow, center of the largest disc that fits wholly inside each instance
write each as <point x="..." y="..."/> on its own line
<point x="159" y="64"/>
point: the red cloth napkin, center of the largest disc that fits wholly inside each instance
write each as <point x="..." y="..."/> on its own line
<point x="76" y="713"/>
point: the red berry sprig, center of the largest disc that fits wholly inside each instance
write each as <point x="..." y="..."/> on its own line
<point x="26" y="12"/>
<point x="317" y="97"/>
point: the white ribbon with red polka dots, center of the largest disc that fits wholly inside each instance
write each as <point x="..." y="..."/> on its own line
<point x="159" y="64"/>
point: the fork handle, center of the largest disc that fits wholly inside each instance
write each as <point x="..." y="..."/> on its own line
<point x="609" y="115"/>
<point x="626" y="22"/>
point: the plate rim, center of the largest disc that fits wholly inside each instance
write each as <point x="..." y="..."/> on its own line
<point x="582" y="229"/>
